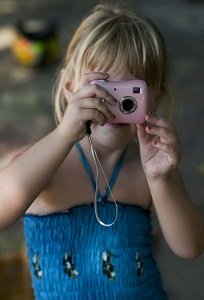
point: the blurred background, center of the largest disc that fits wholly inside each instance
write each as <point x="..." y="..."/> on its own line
<point x="28" y="70"/>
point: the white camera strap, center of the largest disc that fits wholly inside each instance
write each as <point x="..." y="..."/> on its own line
<point x="99" y="167"/>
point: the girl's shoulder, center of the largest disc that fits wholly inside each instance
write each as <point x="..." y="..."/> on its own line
<point x="62" y="190"/>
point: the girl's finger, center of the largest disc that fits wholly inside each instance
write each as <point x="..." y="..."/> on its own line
<point x="164" y="133"/>
<point x="174" y="153"/>
<point x="88" y="77"/>
<point x="143" y="137"/>
<point x="159" y="122"/>
<point x="103" y="94"/>
<point x="96" y="103"/>
<point x="168" y="148"/>
<point x="94" y="115"/>
<point x="95" y="91"/>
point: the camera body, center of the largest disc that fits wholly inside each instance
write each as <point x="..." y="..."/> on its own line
<point x="132" y="98"/>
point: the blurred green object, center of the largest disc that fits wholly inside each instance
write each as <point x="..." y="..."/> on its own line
<point x="201" y="169"/>
<point x="36" y="43"/>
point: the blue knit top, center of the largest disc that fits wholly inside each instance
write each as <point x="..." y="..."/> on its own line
<point x="72" y="257"/>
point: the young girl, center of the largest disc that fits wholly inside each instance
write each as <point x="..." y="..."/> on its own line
<point x="52" y="183"/>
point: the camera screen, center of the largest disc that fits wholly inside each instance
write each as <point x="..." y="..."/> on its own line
<point x="136" y="90"/>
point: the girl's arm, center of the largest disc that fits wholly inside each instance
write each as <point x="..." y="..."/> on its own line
<point x="181" y="223"/>
<point x="27" y="175"/>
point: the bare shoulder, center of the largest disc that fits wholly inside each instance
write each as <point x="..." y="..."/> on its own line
<point x="62" y="190"/>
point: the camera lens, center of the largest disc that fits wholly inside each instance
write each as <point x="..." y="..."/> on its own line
<point x="128" y="105"/>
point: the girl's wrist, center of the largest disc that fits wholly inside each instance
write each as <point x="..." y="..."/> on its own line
<point x="66" y="139"/>
<point x="160" y="187"/>
<point x="159" y="180"/>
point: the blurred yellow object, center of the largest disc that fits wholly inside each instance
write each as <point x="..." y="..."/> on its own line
<point x="36" y="43"/>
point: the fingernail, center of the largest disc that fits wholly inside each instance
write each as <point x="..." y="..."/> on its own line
<point x="114" y="101"/>
<point x="155" y="141"/>
<point x="150" y="114"/>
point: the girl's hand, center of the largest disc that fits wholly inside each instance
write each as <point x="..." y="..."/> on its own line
<point x="159" y="147"/>
<point x="84" y="105"/>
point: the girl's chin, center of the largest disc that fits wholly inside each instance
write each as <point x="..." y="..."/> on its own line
<point x="114" y="134"/>
<point x="115" y="128"/>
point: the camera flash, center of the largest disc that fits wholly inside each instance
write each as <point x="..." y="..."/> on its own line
<point x="136" y="90"/>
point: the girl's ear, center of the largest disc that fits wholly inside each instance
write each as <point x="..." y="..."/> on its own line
<point x="67" y="90"/>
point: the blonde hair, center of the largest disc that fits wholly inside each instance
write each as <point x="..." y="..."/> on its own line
<point x="112" y="38"/>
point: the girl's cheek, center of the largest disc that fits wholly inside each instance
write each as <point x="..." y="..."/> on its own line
<point x="133" y="130"/>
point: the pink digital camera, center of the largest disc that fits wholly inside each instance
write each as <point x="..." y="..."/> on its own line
<point x="132" y="97"/>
